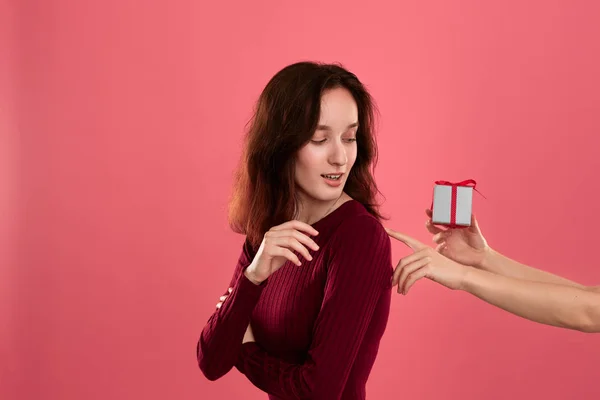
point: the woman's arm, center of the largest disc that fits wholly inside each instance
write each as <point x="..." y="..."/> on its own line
<point x="220" y="342"/>
<point x="468" y="246"/>
<point x="498" y="263"/>
<point x="358" y="280"/>
<point x="547" y="303"/>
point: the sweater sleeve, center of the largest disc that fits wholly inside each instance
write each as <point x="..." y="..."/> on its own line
<point x="358" y="273"/>
<point x="220" y="342"/>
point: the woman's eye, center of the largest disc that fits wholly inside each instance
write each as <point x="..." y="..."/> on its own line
<point x="318" y="141"/>
<point x="350" y="140"/>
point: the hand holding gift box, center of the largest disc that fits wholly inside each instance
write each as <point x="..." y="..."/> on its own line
<point x="453" y="203"/>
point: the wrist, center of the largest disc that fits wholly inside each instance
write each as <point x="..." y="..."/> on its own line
<point x="470" y="279"/>
<point x="465" y="277"/>
<point x="489" y="260"/>
<point x="249" y="273"/>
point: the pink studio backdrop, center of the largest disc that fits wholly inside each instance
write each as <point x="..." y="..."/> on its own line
<point x="121" y="123"/>
<point x="9" y="208"/>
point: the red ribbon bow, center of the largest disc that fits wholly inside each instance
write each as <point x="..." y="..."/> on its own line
<point x="468" y="182"/>
<point x="455" y="185"/>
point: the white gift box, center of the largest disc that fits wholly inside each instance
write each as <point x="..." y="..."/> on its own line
<point x="452" y="204"/>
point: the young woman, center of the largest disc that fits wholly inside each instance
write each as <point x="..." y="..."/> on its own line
<point x="464" y="261"/>
<point x="309" y="298"/>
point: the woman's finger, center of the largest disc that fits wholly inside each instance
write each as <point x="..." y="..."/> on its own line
<point x="396" y="274"/>
<point x="410" y="270"/>
<point x="222" y="298"/>
<point x="415" y="276"/>
<point x="441" y="236"/>
<point x="291" y="243"/>
<point x="286" y="253"/>
<point x="219" y="305"/>
<point x="288" y="242"/>
<point x="294" y="224"/>
<point x="441" y="248"/>
<point x="402" y="264"/>
<point x="432" y="228"/>
<point x="301" y="237"/>
<point x="474" y="225"/>
<point x="404" y="238"/>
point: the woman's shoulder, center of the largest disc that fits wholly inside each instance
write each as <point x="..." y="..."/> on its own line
<point x="358" y="224"/>
<point x="357" y="213"/>
<point x="361" y="244"/>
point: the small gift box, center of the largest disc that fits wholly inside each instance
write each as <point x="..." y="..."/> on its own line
<point x="453" y="203"/>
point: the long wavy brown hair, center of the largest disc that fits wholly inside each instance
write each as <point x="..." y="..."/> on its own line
<point x="285" y="118"/>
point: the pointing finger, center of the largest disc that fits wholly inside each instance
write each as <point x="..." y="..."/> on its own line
<point x="407" y="240"/>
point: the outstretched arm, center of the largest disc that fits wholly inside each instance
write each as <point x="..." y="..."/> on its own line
<point x="547" y="303"/>
<point x="468" y="246"/>
<point x="498" y="263"/>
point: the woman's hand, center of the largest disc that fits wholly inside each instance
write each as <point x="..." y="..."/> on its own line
<point x="222" y="298"/>
<point x="277" y="247"/>
<point x="248" y="336"/>
<point x="464" y="245"/>
<point x="425" y="262"/>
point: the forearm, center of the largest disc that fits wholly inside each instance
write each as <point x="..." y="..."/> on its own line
<point x="221" y="339"/>
<point x="500" y="264"/>
<point x="273" y="375"/>
<point x="325" y="370"/>
<point x="546" y="303"/>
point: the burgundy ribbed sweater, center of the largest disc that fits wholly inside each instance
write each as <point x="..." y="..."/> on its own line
<point x="317" y="326"/>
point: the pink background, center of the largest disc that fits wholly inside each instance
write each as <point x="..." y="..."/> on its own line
<point x="120" y="125"/>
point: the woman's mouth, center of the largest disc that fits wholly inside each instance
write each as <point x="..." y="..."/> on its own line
<point x="333" y="177"/>
<point x="333" y="180"/>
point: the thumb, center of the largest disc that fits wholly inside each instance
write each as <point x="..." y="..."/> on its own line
<point x="474" y="224"/>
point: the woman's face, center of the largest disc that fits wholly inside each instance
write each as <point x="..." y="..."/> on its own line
<point x="323" y="164"/>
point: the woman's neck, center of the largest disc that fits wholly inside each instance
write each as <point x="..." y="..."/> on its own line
<point x="311" y="211"/>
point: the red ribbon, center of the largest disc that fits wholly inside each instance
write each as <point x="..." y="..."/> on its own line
<point x="455" y="185"/>
<point x="467" y="182"/>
